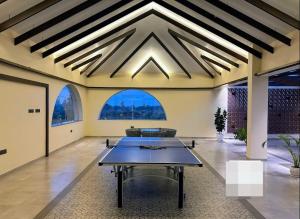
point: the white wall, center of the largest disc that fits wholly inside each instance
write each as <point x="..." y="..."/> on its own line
<point x="60" y="135"/>
<point x="23" y="142"/>
<point x="191" y="112"/>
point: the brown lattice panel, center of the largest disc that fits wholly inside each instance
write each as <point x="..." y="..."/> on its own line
<point x="284" y="110"/>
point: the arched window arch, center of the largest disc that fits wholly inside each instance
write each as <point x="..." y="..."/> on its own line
<point x="132" y="104"/>
<point x="67" y="107"/>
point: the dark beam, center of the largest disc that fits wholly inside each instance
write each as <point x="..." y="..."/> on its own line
<point x="99" y="47"/>
<point x="212" y="67"/>
<point x="192" y="56"/>
<point x="132" y="54"/>
<point x="275" y="13"/>
<point x="109" y="55"/>
<point x="50" y="23"/>
<point x="201" y="37"/>
<point x="210" y="28"/>
<point x="141" y="45"/>
<point x="101" y="25"/>
<point x="1" y="1"/>
<point x="215" y="62"/>
<point x="88" y="66"/>
<point x="79" y="25"/>
<point x="130" y="22"/>
<point x="137" y="6"/>
<point x="254" y="23"/>
<point x="86" y="62"/>
<point x="172" y="32"/>
<point x="102" y="37"/>
<point x="226" y="25"/>
<point x="172" y="56"/>
<point x="27" y="14"/>
<point x="151" y="59"/>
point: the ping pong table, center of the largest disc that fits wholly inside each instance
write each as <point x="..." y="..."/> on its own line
<point x="130" y="152"/>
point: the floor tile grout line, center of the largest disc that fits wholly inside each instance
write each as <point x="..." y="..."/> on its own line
<point x="43" y="213"/>
<point x="20" y="168"/>
<point x="244" y="201"/>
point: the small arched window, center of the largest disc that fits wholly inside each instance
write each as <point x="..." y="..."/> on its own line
<point x="67" y="107"/>
<point x="132" y="104"/>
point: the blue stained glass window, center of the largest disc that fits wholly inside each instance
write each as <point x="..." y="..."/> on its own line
<point x="67" y="107"/>
<point x="132" y="104"/>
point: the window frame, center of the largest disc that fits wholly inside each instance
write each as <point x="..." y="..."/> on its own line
<point x="77" y="106"/>
<point x="163" y="109"/>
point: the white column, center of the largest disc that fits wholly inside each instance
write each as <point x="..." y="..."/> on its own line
<point x="257" y="112"/>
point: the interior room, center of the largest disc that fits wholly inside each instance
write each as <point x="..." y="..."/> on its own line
<point x="149" y="109"/>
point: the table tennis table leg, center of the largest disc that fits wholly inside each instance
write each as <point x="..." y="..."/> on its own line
<point x="120" y="186"/>
<point x="180" y="187"/>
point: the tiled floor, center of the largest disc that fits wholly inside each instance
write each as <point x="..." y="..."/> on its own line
<point x="281" y="191"/>
<point x="94" y="196"/>
<point x="26" y="191"/>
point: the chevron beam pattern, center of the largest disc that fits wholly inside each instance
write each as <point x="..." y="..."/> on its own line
<point x="130" y="32"/>
<point x="109" y="55"/>
<point x="141" y="45"/>
<point x="173" y="8"/>
<point x="186" y="39"/>
<point x="151" y="59"/>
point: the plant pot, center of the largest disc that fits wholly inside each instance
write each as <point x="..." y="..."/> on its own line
<point x="220" y="137"/>
<point x="295" y="172"/>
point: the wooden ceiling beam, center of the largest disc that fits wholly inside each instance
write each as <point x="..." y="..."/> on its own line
<point x="54" y="21"/>
<point x="88" y="66"/>
<point x="186" y="39"/>
<point x="192" y="56"/>
<point x="108" y="56"/>
<point x="215" y="62"/>
<point x="275" y="13"/>
<point x="212" y="67"/>
<point x="252" y="22"/>
<point x="99" y="47"/>
<point x="211" y="29"/>
<point x="201" y="37"/>
<point x="151" y="59"/>
<point x="86" y="62"/>
<point x="102" y="37"/>
<point x="27" y="14"/>
<point x="134" y="20"/>
<point x="226" y="25"/>
<point x="131" y="54"/>
<point x="172" y="56"/>
<point x="79" y="25"/>
<point x="101" y="25"/>
<point x="140" y="46"/>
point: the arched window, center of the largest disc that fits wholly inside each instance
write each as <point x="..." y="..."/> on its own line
<point x="67" y="107"/>
<point x="132" y="104"/>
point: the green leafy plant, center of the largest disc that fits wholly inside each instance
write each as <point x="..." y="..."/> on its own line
<point x="288" y="145"/>
<point x="241" y="134"/>
<point x="220" y="119"/>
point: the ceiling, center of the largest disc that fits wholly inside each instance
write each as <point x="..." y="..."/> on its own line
<point x="117" y="37"/>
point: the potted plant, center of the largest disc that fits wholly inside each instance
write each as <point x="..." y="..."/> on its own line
<point x="294" y="169"/>
<point x="241" y="134"/>
<point x="220" y="119"/>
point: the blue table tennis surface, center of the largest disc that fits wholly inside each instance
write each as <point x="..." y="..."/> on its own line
<point x="127" y="151"/>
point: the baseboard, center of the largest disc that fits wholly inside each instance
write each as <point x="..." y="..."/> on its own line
<point x="39" y="158"/>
